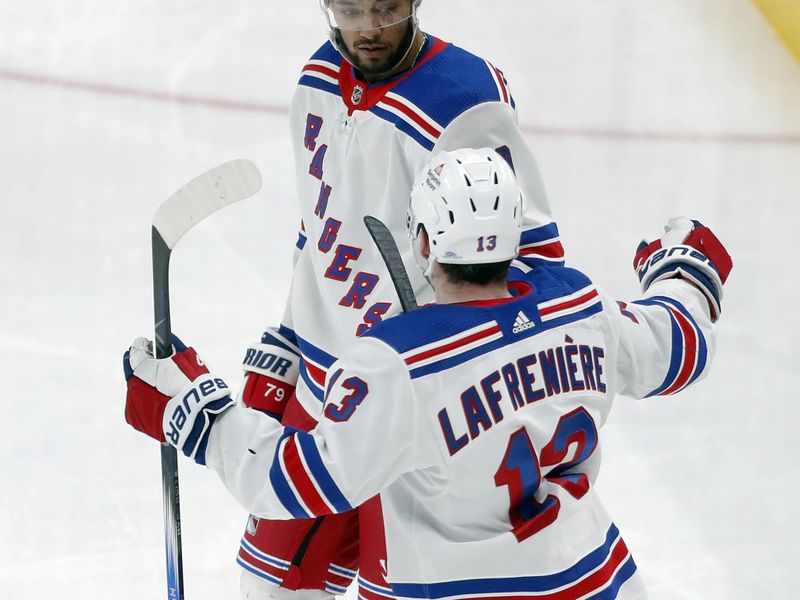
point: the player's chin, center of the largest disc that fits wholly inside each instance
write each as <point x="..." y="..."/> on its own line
<point x="372" y="65"/>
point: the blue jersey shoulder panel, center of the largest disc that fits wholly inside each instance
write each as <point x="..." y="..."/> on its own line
<point x="438" y="337"/>
<point x="449" y="84"/>
<point x="555" y="281"/>
<point x="426" y="325"/>
<point x="327" y="53"/>
<point x="323" y="73"/>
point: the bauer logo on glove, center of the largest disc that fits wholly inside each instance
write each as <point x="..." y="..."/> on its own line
<point x="173" y="399"/>
<point x="184" y="407"/>
<point x="689" y="250"/>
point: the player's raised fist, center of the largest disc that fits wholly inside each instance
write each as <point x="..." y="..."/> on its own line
<point x="172" y="399"/>
<point x="689" y="250"/>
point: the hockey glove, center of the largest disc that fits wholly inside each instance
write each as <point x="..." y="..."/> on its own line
<point x="688" y="250"/>
<point x="271" y="369"/>
<point x="173" y="399"/>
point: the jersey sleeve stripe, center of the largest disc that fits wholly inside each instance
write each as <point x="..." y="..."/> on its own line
<point x="321" y="74"/>
<point x="319" y="473"/>
<point x="541" y="243"/>
<point x="316" y="372"/>
<point x="690" y="344"/>
<point x="409" y="118"/>
<point x="689" y="354"/>
<point x="319" y="82"/>
<point x="567" y="305"/>
<point x="412" y="111"/>
<point x="314" y="367"/>
<point x="314" y="377"/>
<point x="499" y="80"/>
<point x="406" y="126"/>
<point x="699" y="356"/>
<point x="317" y="391"/>
<point x="323" y="66"/>
<point x="281" y="340"/>
<point x="550" y="251"/>
<point x="282" y="486"/>
<point x="597" y="575"/>
<point x="538" y="235"/>
<point x="393" y="112"/>
<point x="453" y="345"/>
<point x="297" y="472"/>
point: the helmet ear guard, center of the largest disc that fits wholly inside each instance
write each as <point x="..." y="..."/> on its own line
<point x="470" y="204"/>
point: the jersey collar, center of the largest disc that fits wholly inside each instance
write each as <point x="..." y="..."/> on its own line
<point x="360" y="95"/>
<point x="517" y="289"/>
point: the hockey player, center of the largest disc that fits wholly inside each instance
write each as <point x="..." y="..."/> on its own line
<point x="476" y="419"/>
<point x="370" y="106"/>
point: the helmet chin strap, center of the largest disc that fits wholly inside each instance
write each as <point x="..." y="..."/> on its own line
<point x="399" y="56"/>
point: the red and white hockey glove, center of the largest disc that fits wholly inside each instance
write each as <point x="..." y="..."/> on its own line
<point x="271" y="369"/>
<point x="173" y="399"/>
<point x="688" y="250"/>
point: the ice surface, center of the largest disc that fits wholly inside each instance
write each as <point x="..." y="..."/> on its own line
<point x="637" y="111"/>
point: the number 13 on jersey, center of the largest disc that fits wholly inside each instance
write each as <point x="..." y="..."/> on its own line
<point x="521" y="471"/>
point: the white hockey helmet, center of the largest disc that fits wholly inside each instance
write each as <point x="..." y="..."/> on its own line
<point x="471" y="206"/>
<point x="366" y="15"/>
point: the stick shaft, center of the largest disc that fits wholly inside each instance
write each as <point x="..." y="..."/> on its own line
<point x="169" y="456"/>
<point x="202" y="196"/>
<point x="394" y="263"/>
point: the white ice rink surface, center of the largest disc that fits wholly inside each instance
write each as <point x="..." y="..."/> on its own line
<point x="636" y="110"/>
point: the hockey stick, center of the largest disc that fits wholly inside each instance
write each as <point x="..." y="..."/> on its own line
<point x="204" y="195"/>
<point x="391" y="257"/>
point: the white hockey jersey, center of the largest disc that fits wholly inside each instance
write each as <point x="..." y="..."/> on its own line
<point x="478" y="425"/>
<point x="357" y="149"/>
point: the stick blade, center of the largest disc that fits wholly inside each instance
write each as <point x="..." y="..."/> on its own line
<point x="204" y="195"/>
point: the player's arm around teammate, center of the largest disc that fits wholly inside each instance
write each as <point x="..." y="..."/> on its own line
<point x="378" y="424"/>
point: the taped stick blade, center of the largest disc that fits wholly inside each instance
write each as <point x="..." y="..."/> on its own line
<point x="204" y="195"/>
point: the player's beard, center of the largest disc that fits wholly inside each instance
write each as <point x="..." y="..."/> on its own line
<point x="398" y="56"/>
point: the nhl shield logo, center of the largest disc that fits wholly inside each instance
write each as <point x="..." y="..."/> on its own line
<point x="358" y="93"/>
<point x="252" y="525"/>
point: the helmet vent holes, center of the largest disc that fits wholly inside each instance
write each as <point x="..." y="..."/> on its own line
<point x="497" y="203"/>
<point x="469" y="183"/>
<point x="496" y="180"/>
<point x="472" y="204"/>
<point x="452" y="217"/>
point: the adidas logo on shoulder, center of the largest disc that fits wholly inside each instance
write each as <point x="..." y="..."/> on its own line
<point x="522" y="323"/>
